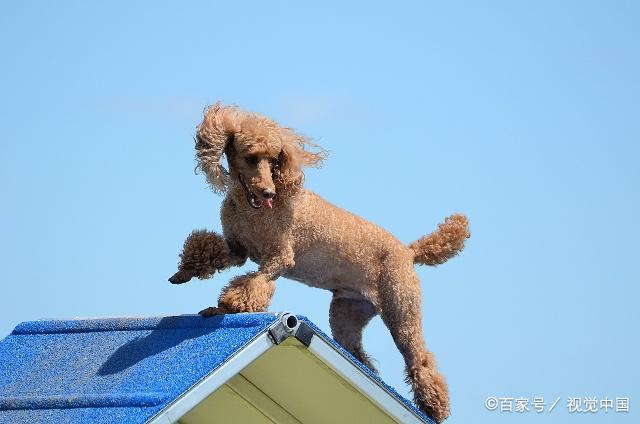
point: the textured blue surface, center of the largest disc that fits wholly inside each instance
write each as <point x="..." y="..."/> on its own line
<point x="121" y="370"/>
<point x="113" y="370"/>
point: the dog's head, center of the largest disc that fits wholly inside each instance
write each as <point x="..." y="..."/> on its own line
<point x="265" y="160"/>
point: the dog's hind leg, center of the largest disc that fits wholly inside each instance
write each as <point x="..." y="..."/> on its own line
<point x="204" y="253"/>
<point x="347" y="318"/>
<point x="400" y="304"/>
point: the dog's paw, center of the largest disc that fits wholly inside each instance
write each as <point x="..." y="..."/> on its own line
<point x="211" y="311"/>
<point x="180" y="277"/>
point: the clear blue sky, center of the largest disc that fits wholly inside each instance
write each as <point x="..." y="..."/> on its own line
<point x="523" y="115"/>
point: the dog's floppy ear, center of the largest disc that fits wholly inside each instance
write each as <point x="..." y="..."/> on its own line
<point x="288" y="172"/>
<point x="212" y="136"/>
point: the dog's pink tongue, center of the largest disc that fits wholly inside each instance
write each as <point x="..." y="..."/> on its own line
<point x="269" y="203"/>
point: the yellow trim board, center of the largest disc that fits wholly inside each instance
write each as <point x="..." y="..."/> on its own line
<point x="287" y="384"/>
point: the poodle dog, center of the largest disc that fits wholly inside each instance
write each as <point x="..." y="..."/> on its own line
<point x="288" y="231"/>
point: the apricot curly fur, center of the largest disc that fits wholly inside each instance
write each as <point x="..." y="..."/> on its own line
<point x="437" y="247"/>
<point x="430" y="390"/>
<point x="221" y="125"/>
<point x="269" y="217"/>
<point x="247" y="293"/>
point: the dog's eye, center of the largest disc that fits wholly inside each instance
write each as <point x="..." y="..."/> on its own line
<point x="251" y="160"/>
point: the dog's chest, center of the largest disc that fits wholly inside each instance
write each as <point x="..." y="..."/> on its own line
<point x="254" y="232"/>
<point x="255" y="246"/>
<point x="258" y="231"/>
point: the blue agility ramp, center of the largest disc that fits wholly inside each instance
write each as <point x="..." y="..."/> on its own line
<point x="262" y="368"/>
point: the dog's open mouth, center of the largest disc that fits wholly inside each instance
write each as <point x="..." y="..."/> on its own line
<point x="252" y="198"/>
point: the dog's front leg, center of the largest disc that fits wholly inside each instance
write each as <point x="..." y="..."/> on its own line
<point x="252" y="292"/>
<point x="206" y="252"/>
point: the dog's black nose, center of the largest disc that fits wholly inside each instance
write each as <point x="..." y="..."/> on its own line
<point x="268" y="194"/>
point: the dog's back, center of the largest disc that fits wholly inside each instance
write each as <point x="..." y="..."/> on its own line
<point x="335" y="249"/>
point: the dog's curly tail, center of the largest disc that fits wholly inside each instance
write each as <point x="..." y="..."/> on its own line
<point x="444" y="243"/>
